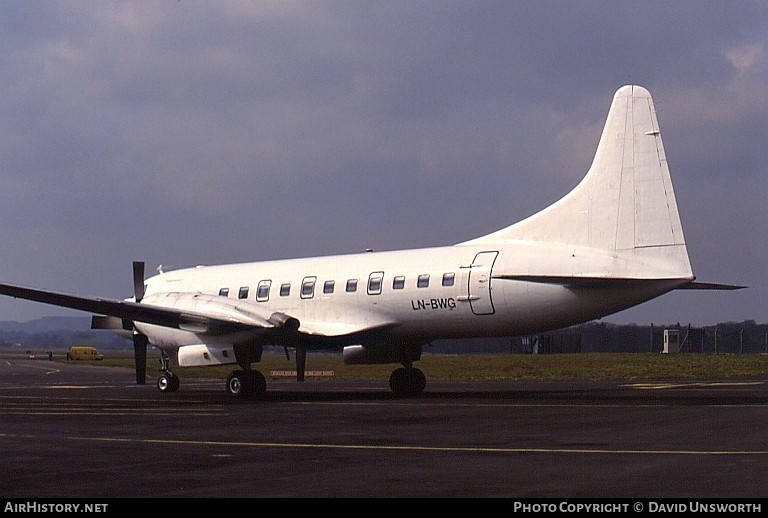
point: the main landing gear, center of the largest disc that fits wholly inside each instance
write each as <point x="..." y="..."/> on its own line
<point x="167" y="381"/>
<point x="407" y="382"/>
<point x="247" y="384"/>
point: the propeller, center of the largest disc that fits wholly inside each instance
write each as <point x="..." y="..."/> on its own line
<point x="301" y="360"/>
<point x="140" y="341"/>
<point x="301" y="363"/>
<point x="138" y="280"/>
<point x="140" y="357"/>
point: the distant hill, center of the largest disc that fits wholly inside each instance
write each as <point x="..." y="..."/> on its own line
<point x="56" y="333"/>
<point x="47" y="324"/>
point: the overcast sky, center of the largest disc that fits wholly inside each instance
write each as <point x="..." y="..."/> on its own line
<point x="186" y="132"/>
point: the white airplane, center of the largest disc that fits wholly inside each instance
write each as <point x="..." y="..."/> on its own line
<point x="613" y="242"/>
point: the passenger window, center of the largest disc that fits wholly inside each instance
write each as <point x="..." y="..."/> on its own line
<point x="423" y="281"/>
<point x="328" y="286"/>
<point x="448" y="279"/>
<point x="243" y="293"/>
<point x="285" y="289"/>
<point x="398" y="283"/>
<point x="308" y="287"/>
<point x="351" y="285"/>
<point x="374" y="283"/>
<point x="262" y="292"/>
<point x="224" y="292"/>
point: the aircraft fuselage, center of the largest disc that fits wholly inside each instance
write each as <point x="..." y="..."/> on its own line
<point x="425" y="294"/>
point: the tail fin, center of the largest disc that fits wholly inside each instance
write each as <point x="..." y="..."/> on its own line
<point x="626" y="200"/>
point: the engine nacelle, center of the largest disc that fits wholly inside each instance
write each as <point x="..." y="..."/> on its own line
<point x="113" y="324"/>
<point x="378" y="354"/>
<point x="202" y="354"/>
<point x="199" y="355"/>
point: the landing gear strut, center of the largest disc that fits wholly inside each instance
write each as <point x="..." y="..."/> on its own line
<point x="167" y="381"/>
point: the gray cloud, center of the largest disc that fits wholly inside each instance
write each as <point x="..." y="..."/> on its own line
<point x="189" y="132"/>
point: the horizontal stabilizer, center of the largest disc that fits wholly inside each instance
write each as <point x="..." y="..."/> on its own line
<point x="608" y="282"/>
<point x="710" y="286"/>
<point x="573" y="281"/>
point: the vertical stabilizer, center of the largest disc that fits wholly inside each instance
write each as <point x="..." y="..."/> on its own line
<point x="626" y="200"/>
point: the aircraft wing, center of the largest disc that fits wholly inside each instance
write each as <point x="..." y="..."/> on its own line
<point x="346" y="329"/>
<point x="213" y="315"/>
<point x="220" y="322"/>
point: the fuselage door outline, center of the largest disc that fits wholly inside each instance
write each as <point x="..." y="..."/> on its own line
<point x="479" y="284"/>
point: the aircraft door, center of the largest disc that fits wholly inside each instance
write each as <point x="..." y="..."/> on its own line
<point x="479" y="285"/>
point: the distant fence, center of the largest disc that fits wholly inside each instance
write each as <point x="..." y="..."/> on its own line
<point x="728" y="338"/>
<point x="548" y="344"/>
<point x="307" y="374"/>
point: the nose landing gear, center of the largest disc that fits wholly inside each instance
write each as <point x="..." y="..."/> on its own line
<point x="167" y="381"/>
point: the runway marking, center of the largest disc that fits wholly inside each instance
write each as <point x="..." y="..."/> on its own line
<point x="432" y="403"/>
<point x="59" y="402"/>
<point x="91" y="403"/>
<point x="448" y="449"/>
<point x="117" y="413"/>
<point x="59" y="406"/>
<point x="662" y="386"/>
<point x="51" y="370"/>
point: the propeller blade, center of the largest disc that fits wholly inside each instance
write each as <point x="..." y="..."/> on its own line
<point x="138" y="280"/>
<point x="140" y="357"/>
<point x="301" y="363"/>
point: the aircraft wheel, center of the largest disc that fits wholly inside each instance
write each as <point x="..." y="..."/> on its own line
<point x="237" y="384"/>
<point x="407" y="382"/>
<point x="168" y="382"/>
<point x="397" y="381"/>
<point x="175" y="382"/>
<point x="258" y="385"/>
<point x="247" y="384"/>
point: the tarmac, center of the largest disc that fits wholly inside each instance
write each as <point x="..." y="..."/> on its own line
<point x="74" y="431"/>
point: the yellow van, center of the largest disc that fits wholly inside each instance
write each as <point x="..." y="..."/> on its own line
<point x="84" y="352"/>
